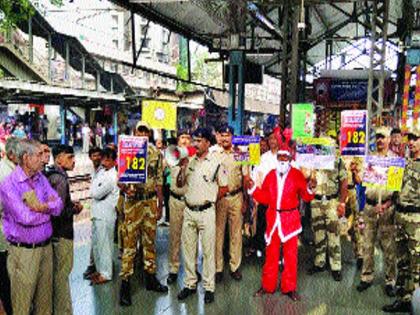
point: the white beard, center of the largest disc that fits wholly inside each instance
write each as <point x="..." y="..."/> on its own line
<point x="283" y="167"/>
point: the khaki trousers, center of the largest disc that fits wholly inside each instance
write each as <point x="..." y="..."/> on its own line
<point x="30" y="272"/>
<point x="196" y="222"/>
<point x="229" y="209"/>
<point x="62" y="267"/>
<point x="175" y="230"/>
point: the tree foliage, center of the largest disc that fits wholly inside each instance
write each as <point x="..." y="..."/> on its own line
<point x="14" y="11"/>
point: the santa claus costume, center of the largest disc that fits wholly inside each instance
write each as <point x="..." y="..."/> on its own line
<point x="281" y="191"/>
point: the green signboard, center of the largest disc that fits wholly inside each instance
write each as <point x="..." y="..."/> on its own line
<point x="303" y="120"/>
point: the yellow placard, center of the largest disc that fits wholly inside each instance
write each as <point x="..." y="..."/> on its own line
<point x="316" y="141"/>
<point x="159" y="115"/>
<point x="395" y="178"/>
<point x="254" y="153"/>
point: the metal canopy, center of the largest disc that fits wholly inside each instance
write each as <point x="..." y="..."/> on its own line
<point x="42" y="28"/>
<point x="20" y="92"/>
<point x="337" y="23"/>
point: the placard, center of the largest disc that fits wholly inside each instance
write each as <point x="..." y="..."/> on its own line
<point x="132" y="159"/>
<point x="302" y="120"/>
<point x="384" y="172"/>
<point x="159" y="115"/>
<point x="353" y="135"/>
<point x="315" y="153"/>
<point x="246" y="149"/>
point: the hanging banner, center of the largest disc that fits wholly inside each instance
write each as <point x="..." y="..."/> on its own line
<point x="416" y="108"/>
<point x="353" y="132"/>
<point x="246" y="149"/>
<point x="159" y="115"/>
<point x="384" y="172"/>
<point x="315" y="153"/>
<point x="132" y="159"/>
<point x="406" y="97"/>
<point x="302" y="120"/>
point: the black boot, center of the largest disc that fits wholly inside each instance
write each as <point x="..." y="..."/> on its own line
<point x="152" y="284"/>
<point x="397" y="307"/>
<point x="125" y="294"/>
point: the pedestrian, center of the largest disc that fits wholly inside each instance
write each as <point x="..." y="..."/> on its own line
<point x="98" y="135"/>
<point x="281" y="190"/>
<point x="105" y="195"/>
<point x="326" y="210"/>
<point x="7" y="165"/>
<point x="63" y="233"/>
<point x="230" y="207"/>
<point x="29" y="201"/>
<point x="407" y="217"/>
<point x="95" y="155"/>
<point x="206" y="180"/>
<point x="378" y="215"/>
<point x="46" y="154"/>
<point x="86" y="138"/>
<point x="142" y="208"/>
<point x="396" y="144"/>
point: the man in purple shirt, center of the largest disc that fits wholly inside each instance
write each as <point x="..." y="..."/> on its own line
<point x="28" y="204"/>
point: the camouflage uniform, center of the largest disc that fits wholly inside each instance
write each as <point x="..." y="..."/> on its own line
<point x="140" y="218"/>
<point x="382" y="228"/>
<point x="325" y="222"/>
<point x="408" y="232"/>
<point x="352" y="206"/>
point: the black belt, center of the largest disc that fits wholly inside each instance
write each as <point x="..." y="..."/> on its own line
<point x="286" y="210"/>
<point x="408" y="209"/>
<point x="176" y="196"/>
<point x="372" y="202"/>
<point x="200" y="208"/>
<point x="233" y="193"/>
<point x="350" y="186"/>
<point x="33" y="245"/>
<point x="321" y="197"/>
<point x="144" y="196"/>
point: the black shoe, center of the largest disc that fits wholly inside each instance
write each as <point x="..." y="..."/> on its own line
<point x="397" y="307"/>
<point x="186" y="292"/>
<point x="198" y="276"/>
<point x="314" y="269"/>
<point x="236" y="275"/>
<point x="336" y="275"/>
<point x="172" y="278"/>
<point x="209" y="297"/>
<point x="125" y="295"/>
<point x="389" y="290"/>
<point x="293" y="295"/>
<point x="91" y="269"/>
<point x="219" y="276"/>
<point x="363" y="286"/>
<point x="359" y="263"/>
<point x="152" y="284"/>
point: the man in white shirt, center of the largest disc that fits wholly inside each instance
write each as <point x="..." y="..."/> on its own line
<point x="86" y="138"/>
<point x="105" y="195"/>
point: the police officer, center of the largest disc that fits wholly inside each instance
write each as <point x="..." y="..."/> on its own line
<point x="230" y="207"/>
<point x="356" y="233"/>
<point x="326" y="209"/>
<point x="378" y="216"/>
<point x="177" y="206"/>
<point x="206" y="180"/>
<point x="141" y="213"/>
<point x="407" y="219"/>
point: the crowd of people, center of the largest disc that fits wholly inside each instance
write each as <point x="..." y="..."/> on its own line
<point x="203" y="190"/>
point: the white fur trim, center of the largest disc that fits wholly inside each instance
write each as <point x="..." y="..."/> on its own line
<point x="283" y="152"/>
<point x="309" y="190"/>
<point x="251" y="190"/>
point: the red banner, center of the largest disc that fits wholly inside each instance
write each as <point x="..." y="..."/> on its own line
<point x="416" y="109"/>
<point x="407" y="77"/>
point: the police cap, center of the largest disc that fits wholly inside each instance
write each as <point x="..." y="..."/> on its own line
<point x="203" y="133"/>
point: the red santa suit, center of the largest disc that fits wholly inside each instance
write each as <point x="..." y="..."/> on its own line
<point x="281" y="193"/>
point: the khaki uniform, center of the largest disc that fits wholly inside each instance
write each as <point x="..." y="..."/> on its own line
<point x="408" y="232"/>
<point x="381" y="228"/>
<point x="325" y="222"/>
<point x="355" y="232"/>
<point x="177" y="206"/>
<point x="230" y="208"/>
<point x="140" y="218"/>
<point x="203" y="178"/>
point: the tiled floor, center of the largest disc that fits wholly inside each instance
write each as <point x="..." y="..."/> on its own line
<point x="321" y="294"/>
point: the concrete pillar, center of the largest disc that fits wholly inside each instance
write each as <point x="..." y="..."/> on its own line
<point x="236" y="76"/>
<point x="31" y="41"/>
